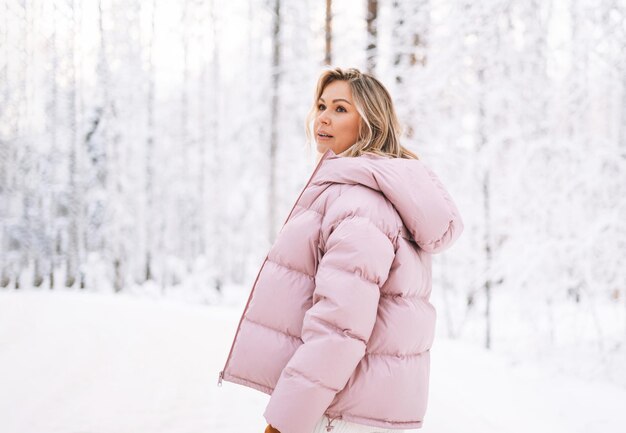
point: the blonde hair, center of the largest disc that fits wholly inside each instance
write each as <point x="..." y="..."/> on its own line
<point x="380" y="130"/>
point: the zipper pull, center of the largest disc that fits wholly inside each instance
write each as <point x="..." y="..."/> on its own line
<point x="219" y="381"/>
<point x="328" y="426"/>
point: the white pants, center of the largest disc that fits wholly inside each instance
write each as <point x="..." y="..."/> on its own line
<point x="341" y="426"/>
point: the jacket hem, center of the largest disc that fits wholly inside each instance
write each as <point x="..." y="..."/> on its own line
<point x="376" y="422"/>
<point x="241" y="381"/>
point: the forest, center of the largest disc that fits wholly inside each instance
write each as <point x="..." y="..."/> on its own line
<point x="155" y="148"/>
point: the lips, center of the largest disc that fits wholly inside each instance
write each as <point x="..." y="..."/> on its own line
<point x="324" y="134"/>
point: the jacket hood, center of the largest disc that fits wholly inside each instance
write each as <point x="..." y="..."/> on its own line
<point x="424" y="205"/>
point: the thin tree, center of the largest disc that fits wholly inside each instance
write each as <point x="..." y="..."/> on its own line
<point x="372" y="35"/>
<point x="150" y="149"/>
<point x="275" y="89"/>
<point x="73" y="253"/>
<point x="5" y="153"/>
<point x="52" y="118"/>
<point x="328" y="33"/>
<point x="214" y="166"/>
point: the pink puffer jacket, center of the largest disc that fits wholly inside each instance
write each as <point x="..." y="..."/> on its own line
<point x="338" y="321"/>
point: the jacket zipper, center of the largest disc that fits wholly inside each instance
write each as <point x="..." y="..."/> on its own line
<point x="329" y="427"/>
<point x="221" y="374"/>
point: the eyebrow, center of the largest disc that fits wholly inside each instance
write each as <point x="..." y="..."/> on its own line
<point x="335" y="100"/>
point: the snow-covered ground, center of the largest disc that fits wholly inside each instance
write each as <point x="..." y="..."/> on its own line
<point x="92" y="363"/>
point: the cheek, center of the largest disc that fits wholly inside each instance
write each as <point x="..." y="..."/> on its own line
<point x="349" y="125"/>
<point x="355" y="126"/>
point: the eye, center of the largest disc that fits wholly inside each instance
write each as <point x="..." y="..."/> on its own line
<point x="320" y="105"/>
<point x="344" y="110"/>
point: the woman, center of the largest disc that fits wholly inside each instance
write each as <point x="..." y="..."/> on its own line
<point x="338" y="326"/>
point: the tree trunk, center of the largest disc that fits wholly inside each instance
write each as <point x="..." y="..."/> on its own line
<point x="150" y="149"/>
<point x="276" y="78"/>
<point x="372" y="35"/>
<point x="328" y="33"/>
<point x="73" y="254"/>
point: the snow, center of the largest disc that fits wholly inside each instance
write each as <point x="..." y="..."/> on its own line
<point x="77" y="362"/>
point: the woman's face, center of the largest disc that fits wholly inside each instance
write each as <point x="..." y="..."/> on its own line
<point x="336" y="117"/>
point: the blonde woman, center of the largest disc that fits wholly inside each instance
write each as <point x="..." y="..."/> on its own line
<point x="338" y="325"/>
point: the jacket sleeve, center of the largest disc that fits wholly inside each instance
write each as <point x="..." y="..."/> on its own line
<point x="356" y="261"/>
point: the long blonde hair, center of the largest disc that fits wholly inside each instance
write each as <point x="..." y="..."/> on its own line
<point x="380" y="130"/>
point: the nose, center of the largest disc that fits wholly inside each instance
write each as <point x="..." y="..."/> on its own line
<point x="323" y="118"/>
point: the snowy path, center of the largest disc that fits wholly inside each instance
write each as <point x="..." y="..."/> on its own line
<point x="88" y="363"/>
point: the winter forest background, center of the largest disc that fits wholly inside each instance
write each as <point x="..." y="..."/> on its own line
<point x="154" y="148"/>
